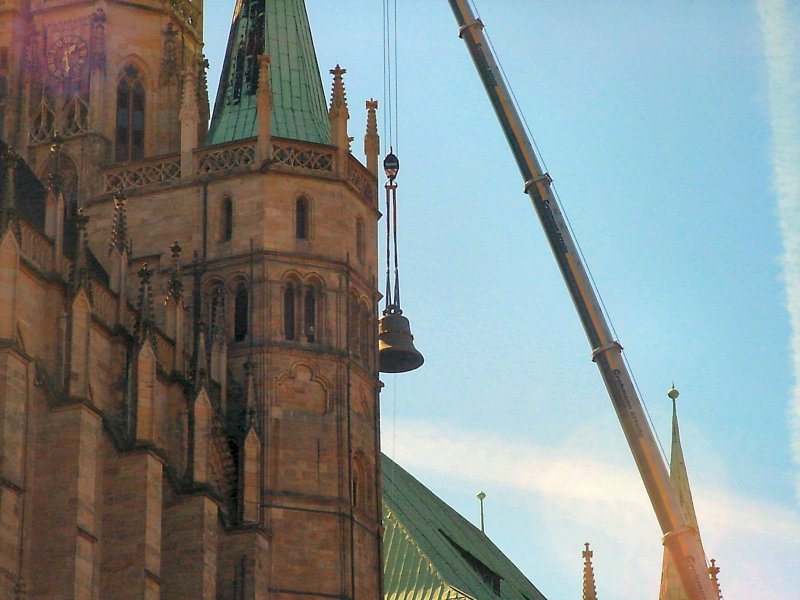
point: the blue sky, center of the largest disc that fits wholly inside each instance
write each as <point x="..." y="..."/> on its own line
<point x="671" y="131"/>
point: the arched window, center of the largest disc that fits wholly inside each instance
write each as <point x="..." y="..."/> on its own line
<point x="301" y="215"/>
<point x="130" y="115"/>
<point x="226" y="218"/>
<point x="359" y="483"/>
<point x="310" y="314"/>
<point x="241" y="316"/>
<point x="289" y="310"/>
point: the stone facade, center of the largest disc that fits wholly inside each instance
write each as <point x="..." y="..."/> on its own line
<point x="188" y="337"/>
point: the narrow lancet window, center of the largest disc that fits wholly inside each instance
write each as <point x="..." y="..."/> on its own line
<point x="301" y="218"/>
<point x="130" y="116"/>
<point x="310" y="314"/>
<point x="227" y="220"/>
<point x="288" y="311"/>
<point x="241" y="306"/>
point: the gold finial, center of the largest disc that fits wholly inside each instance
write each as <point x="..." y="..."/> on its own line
<point x="673" y="393"/>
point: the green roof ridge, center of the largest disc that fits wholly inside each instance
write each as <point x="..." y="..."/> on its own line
<point x="461" y="556"/>
<point x="279" y="28"/>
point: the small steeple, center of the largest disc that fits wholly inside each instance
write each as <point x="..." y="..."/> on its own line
<point x="55" y="177"/>
<point x="372" y="141"/>
<point x="119" y="226"/>
<point x="713" y="570"/>
<point x="175" y="281"/>
<point x="279" y="29"/>
<point x="338" y="117"/>
<point x="79" y="275"/>
<point x="338" y="95"/>
<point x="589" y="588"/>
<point x="144" y="328"/>
<point x="671" y="587"/>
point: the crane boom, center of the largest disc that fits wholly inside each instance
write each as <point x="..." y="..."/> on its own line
<point x="679" y="538"/>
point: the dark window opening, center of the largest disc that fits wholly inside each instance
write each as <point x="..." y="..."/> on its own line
<point x="301" y="219"/>
<point x="288" y="311"/>
<point x="130" y="116"/>
<point x="241" y="305"/>
<point x="488" y="575"/>
<point x="227" y="219"/>
<point x="310" y="314"/>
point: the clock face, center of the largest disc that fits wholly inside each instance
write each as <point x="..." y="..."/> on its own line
<point x="67" y="56"/>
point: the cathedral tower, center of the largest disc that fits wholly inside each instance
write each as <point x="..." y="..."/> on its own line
<point x="105" y="74"/>
<point x="188" y="321"/>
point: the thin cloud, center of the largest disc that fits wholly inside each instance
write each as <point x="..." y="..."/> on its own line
<point x="582" y="495"/>
<point x="780" y="24"/>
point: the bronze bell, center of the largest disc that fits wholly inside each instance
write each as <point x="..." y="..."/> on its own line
<point x="396" y="351"/>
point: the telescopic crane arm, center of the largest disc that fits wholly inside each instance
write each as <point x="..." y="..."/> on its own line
<point x="679" y="538"/>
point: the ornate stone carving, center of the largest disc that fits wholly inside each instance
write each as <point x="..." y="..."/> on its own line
<point x="226" y="157"/>
<point x="76" y="114"/>
<point x="42" y="122"/>
<point x="170" y="73"/>
<point x="143" y="173"/>
<point x="97" y="40"/>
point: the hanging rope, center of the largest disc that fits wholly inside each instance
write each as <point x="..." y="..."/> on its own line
<point x="391" y="164"/>
<point x="392" y="297"/>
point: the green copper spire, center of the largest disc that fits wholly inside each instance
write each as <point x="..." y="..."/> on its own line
<point x="280" y="29"/>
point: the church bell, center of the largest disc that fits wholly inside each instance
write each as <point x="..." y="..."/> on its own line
<point x="396" y="351"/>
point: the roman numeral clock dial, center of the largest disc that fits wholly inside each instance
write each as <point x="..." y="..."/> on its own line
<point x="66" y="57"/>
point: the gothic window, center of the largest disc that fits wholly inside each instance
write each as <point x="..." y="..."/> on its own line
<point x="241" y="314"/>
<point x="301" y="213"/>
<point x="226" y="229"/>
<point x="130" y="116"/>
<point x="289" y="292"/>
<point x="3" y="86"/>
<point x="3" y="59"/>
<point x="310" y="314"/>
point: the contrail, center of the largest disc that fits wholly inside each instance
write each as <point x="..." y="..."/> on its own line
<point x="780" y="24"/>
